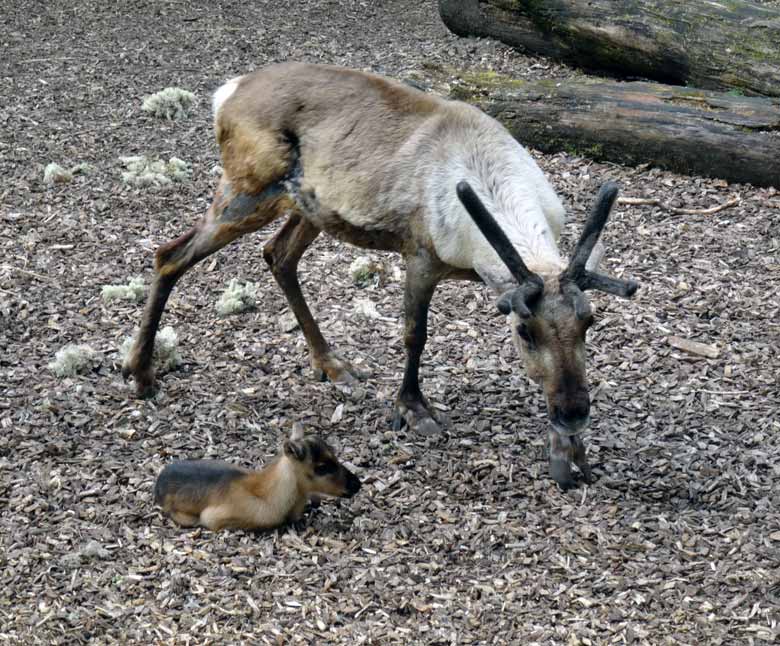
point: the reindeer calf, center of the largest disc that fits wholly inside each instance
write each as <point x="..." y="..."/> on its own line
<point x="219" y="495"/>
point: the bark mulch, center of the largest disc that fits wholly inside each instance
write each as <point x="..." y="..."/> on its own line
<point x="459" y="539"/>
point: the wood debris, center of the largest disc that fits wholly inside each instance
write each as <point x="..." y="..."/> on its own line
<point x="694" y="347"/>
<point x="650" y="201"/>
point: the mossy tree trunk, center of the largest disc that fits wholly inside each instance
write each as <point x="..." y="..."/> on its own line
<point x="732" y="45"/>
<point x="689" y="131"/>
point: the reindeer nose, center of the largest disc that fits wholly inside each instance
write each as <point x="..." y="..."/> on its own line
<point x="574" y="415"/>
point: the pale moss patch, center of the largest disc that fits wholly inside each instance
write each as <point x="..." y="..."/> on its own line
<point x="237" y="298"/>
<point x="170" y="103"/>
<point x="133" y="291"/>
<point x="72" y="360"/>
<point x="365" y="272"/>
<point x="82" y="169"/>
<point x="166" y="349"/>
<point x="367" y="308"/>
<point x="56" y="174"/>
<point x="147" y="172"/>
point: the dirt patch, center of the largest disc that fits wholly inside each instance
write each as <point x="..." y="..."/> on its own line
<point x="462" y="539"/>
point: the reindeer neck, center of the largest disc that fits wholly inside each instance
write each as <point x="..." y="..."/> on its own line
<point x="514" y="191"/>
<point x="276" y="487"/>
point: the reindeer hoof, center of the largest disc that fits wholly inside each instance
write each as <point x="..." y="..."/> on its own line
<point x="333" y="368"/>
<point x="417" y="417"/>
<point x="586" y="474"/>
<point x="427" y="426"/>
<point x="146" y="391"/>
<point x="560" y="470"/>
<point x="145" y="386"/>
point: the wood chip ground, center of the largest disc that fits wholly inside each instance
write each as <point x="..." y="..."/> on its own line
<point x="461" y="539"/>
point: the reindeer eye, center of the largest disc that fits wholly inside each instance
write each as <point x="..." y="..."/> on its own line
<point x="324" y="468"/>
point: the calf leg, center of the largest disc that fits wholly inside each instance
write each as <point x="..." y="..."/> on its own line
<point x="282" y="254"/>
<point x="230" y="216"/>
<point x="422" y="276"/>
<point x="184" y="519"/>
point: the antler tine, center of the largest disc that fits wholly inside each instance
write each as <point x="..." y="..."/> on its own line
<point x="616" y="286"/>
<point x="494" y="234"/>
<point x="591" y="232"/>
<point x="594" y="225"/>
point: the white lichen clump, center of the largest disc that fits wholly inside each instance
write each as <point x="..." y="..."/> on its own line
<point x="367" y="308"/>
<point x="237" y="298"/>
<point x="144" y="171"/>
<point x="365" y="272"/>
<point x="133" y="291"/>
<point x="83" y="168"/>
<point x="56" y="174"/>
<point x="72" y="360"/>
<point x="170" y="103"/>
<point x="166" y="349"/>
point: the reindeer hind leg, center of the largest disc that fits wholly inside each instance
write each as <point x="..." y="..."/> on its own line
<point x="230" y="216"/>
<point x="282" y="253"/>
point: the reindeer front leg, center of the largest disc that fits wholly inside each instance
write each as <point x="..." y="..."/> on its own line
<point x="422" y="276"/>
<point x="565" y="449"/>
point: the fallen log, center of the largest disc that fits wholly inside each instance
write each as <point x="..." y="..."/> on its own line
<point x="685" y="130"/>
<point x="712" y="45"/>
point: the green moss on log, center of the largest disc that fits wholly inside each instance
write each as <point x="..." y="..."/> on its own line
<point x="687" y="130"/>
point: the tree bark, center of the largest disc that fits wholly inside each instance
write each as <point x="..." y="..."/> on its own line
<point x="685" y="130"/>
<point x="732" y="45"/>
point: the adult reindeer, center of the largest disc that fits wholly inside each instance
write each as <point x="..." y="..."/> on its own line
<point x="384" y="166"/>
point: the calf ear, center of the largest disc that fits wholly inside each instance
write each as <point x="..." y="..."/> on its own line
<point x="295" y="450"/>
<point x="297" y="431"/>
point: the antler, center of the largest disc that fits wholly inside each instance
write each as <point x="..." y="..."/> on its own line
<point x="530" y="284"/>
<point x="594" y="225"/>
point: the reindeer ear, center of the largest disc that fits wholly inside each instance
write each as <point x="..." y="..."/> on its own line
<point x="520" y="299"/>
<point x="297" y="431"/>
<point x="295" y="450"/>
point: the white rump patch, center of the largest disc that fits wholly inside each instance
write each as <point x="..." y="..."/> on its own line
<point x="224" y="92"/>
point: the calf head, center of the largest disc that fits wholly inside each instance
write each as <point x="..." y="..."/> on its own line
<point x="549" y="319"/>
<point x="317" y="468"/>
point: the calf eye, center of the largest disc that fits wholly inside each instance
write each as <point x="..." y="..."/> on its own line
<point x="324" y="468"/>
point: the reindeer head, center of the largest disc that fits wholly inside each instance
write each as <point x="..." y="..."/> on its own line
<point x="550" y="317"/>
<point x="317" y="468"/>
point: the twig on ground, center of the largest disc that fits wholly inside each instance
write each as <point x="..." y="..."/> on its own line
<point x="636" y="201"/>
<point x="28" y="273"/>
<point x="47" y="60"/>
